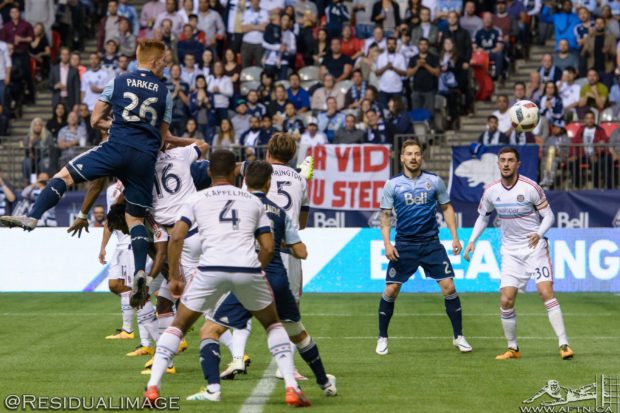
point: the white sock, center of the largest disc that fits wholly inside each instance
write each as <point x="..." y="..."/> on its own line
<point x="557" y="320"/>
<point x="509" y="324"/>
<point x="280" y="347"/>
<point x="164" y="321"/>
<point x="127" y="311"/>
<point x="167" y="346"/>
<point x="147" y="324"/>
<point x="239" y="340"/>
<point x="227" y="339"/>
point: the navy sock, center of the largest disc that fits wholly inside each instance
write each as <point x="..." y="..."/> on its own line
<point x="139" y="245"/>
<point x="210" y="360"/>
<point x="48" y="198"/>
<point x="386" y="309"/>
<point x="310" y="354"/>
<point x="453" y="309"/>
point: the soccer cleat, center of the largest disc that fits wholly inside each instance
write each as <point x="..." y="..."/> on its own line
<point x="20" y="221"/>
<point x="169" y="370"/>
<point x="329" y="389"/>
<point x="151" y="394"/>
<point x="511" y="353"/>
<point x="306" y="167"/>
<point x="149" y="363"/>
<point x="182" y="346"/>
<point x="566" y="352"/>
<point x="296" y="398"/>
<point x="247" y="360"/>
<point x="298" y="376"/>
<point x="141" y="350"/>
<point x="237" y="366"/>
<point x="121" y="335"/>
<point x="382" y="346"/>
<point x="139" y="290"/>
<point x="462" y="344"/>
<point x="205" y="394"/>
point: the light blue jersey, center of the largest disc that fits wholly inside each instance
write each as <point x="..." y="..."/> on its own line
<point x="415" y="203"/>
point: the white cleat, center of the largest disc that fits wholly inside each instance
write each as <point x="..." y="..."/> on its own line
<point x="139" y="290"/>
<point x="306" y="167"/>
<point x="21" y="221"/>
<point x="237" y="366"/>
<point x="382" y="346"/>
<point x="329" y="389"/>
<point x="298" y="376"/>
<point x="462" y="344"/>
<point x="205" y="394"/>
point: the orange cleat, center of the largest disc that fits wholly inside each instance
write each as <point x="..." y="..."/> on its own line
<point x="511" y="353"/>
<point x="566" y="352"/>
<point x="151" y="394"/>
<point x="296" y="398"/>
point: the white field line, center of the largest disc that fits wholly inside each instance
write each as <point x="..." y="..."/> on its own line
<point x="255" y="403"/>
<point x="469" y="337"/>
<point x="466" y="314"/>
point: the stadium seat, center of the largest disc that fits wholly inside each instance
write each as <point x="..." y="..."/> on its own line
<point x="284" y="83"/>
<point x="607" y="115"/>
<point x="609" y="127"/>
<point x="344" y="86"/>
<point x="581" y="81"/>
<point x="305" y="117"/>
<point x="572" y="128"/>
<point x="440" y="120"/>
<point x="309" y="73"/>
<point x="251" y="74"/>
<point x="421" y="130"/>
<point x="247" y="86"/>
<point x="308" y="84"/>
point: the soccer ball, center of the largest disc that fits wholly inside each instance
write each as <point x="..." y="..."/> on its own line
<point x="524" y="116"/>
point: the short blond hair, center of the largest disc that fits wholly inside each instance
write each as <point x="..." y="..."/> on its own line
<point x="149" y="49"/>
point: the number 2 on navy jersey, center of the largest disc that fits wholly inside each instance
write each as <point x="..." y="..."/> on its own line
<point x="230" y="215"/>
<point x="170" y="182"/>
<point x="281" y="191"/>
<point x="145" y="108"/>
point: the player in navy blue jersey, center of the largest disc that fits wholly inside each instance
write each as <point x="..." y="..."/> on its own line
<point x="414" y="195"/>
<point x="137" y="109"/>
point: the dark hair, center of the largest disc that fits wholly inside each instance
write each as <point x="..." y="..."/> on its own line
<point x="589" y="112"/>
<point x="571" y="70"/>
<point x="423" y="39"/>
<point x="116" y="218"/>
<point x="257" y="174"/>
<point x="509" y="149"/>
<point x="221" y="163"/>
<point x="294" y="74"/>
<point x="517" y="83"/>
<point x="282" y="147"/>
<point x="492" y="117"/>
<point x="555" y="88"/>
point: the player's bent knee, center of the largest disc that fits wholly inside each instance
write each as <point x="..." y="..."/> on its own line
<point x="211" y="330"/>
<point x="65" y="176"/>
<point x="164" y="305"/>
<point x="392" y="290"/>
<point x="294" y="329"/>
<point x="117" y="286"/>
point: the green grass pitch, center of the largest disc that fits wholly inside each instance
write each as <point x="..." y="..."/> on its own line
<point x="53" y="345"/>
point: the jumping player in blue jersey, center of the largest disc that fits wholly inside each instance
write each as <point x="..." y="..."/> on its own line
<point x="414" y="195"/>
<point x="137" y="109"/>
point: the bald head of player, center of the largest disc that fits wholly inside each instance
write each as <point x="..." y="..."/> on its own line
<point x="222" y="167"/>
<point x="150" y="54"/>
<point x="281" y="148"/>
<point x="258" y="176"/>
<point x="509" y="162"/>
<point x="411" y="157"/>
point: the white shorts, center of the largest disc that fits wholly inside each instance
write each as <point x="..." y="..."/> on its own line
<point x="205" y="289"/>
<point x="190" y="255"/>
<point x="518" y="266"/>
<point x="122" y="265"/>
<point x="164" y="291"/>
<point x="294" y="273"/>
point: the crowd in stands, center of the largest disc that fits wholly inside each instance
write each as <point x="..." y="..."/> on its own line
<point x="327" y="71"/>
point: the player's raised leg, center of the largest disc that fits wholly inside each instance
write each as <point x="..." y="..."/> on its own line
<point x="545" y="290"/>
<point x="508" y="316"/>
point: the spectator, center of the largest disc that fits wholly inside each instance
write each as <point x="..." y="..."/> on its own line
<point x="593" y="94"/>
<point x="75" y="62"/>
<point x="277" y="106"/>
<point x="130" y="14"/>
<point x="351" y="46"/>
<point x="123" y="65"/>
<point x="226" y="136"/>
<point x="564" y="57"/>
<point x="93" y="134"/>
<point x="37" y="145"/>
<point x="452" y="79"/>
<point x="19" y="33"/>
<point x="469" y="20"/>
<point x="611" y="22"/>
<point x="93" y="82"/>
<point x="349" y="133"/>
<point x="366" y="63"/>
<point x="518" y="93"/>
<point x="412" y="14"/>
<point x="460" y="37"/>
<point x="166" y="35"/>
<point x="335" y="63"/>
<point x="207" y="63"/>
<point x="568" y="90"/>
<point x="426" y="30"/>
<point x="336" y="15"/>
<point x="587" y="149"/>
<point x="108" y="26"/>
<point x="180" y="100"/>
<point x="614" y="164"/>
<point x="443" y="8"/>
<point x="397" y="119"/>
<point x="254" y="22"/>
<point x="390" y="67"/>
<point x="525" y="138"/>
<point x="148" y="15"/>
<point x="235" y="10"/>
<point x="64" y="82"/>
<point x="312" y="136"/>
<point x="550" y="104"/>
<point x="489" y="39"/>
<point x="126" y="40"/>
<point x="5" y="75"/>
<point x="321" y="47"/>
<point x="292" y="124"/>
<point x="7" y="196"/>
<point x="198" y="34"/>
<point x="306" y="14"/>
<point x="222" y="89"/>
<point x="71" y="138"/>
<point x="255" y="108"/>
<point x="233" y="70"/>
<point x="356" y="92"/>
<point x="43" y="12"/>
<point x="507" y="25"/>
<point x="493" y="136"/>
<point x="29" y="196"/>
<point x="201" y="109"/>
<point x="267" y="126"/>
<point x="377" y="38"/>
<point x="109" y="61"/>
<point x="555" y="152"/>
<point x="386" y="13"/>
<point x="274" y="46"/>
<point x="273" y="6"/>
<point x="376" y="132"/>
<point x="40" y="51"/>
<point x="298" y="95"/>
<point x="600" y="51"/>
<point x="253" y="137"/>
<point x="189" y="70"/>
<point x="186" y="9"/>
<point x="171" y="14"/>
<point x="425" y="71"/>
<point x="564" y="22"/>
<point x="534" y="87"/>
<point x="502" y="115"/>
<point x="189" y="46"/>
<point x="211" y="23"/>
<point x="98" y="217"/>
<point x="241" y="120"/>
<point x="192" y="131"/>
<point x="266" y="89"/>
<point x="320" y="96"/>
<point x="582" y="30"/>
<point x="57" y="121"/>
<point x="330" y="120"/>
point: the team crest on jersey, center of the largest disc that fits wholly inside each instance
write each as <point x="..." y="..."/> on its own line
<point x="520" y="198"/>
<point x="429" y="186"/>
<point x="392" y="272"/>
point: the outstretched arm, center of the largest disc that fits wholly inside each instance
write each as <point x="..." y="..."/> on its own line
<point x="81" y="222"/>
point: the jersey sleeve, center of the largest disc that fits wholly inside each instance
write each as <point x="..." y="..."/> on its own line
<point x="192" y="153"/>
<point x="442" y="192"/>
<point x="106" y="95"/>
<point x="168" y="110"/>
<point x="186" y="214"/>
<point x="263" y="223"/>
<point x="291" y="233"/>
<point x="485" y="207"/>
<point x="537" y="196"/>
<point x="305" y="202"/>
<point x="387" y="199"/>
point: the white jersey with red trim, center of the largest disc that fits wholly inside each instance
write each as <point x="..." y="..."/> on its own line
<point x="173" y="182"/>
<point x="112" y="193"/>
<point x="517" y="209"/>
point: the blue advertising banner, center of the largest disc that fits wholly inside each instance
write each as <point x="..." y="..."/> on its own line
<point x="469" y="173"/>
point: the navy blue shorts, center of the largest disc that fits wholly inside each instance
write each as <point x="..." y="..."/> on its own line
<point x="230" y="313"/>
<point x="134" y="168"/>
<point x="431" y="256"/>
